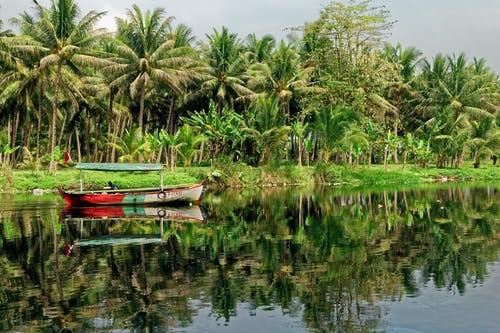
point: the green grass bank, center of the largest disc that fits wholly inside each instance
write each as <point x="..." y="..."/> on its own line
<point x="238" y="175"/>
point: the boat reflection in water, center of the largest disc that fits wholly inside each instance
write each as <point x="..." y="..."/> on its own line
<point x="119" y="225"/>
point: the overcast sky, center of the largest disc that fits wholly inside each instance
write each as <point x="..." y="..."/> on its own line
<point x="432" y="26"/>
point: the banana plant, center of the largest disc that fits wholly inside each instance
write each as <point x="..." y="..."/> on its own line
<point x="133" y="146"/>
<point x="222" y="131"/>
<point x="5" y="153"/>
<point x="191" y="141"/>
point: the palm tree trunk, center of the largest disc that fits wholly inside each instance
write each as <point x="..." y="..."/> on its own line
<point x="13" y="141"/>
<point x="148" y="120"/>
<point x="15" y="127"/>
<point x="141" y="108"/>
<point x="39" y="122"/>
<point x="395" y="154"/>
<point x="171" y="118"/>
<point x="27" y="135"/>
<point x="52" y="166"/>
<point x="308" y="158"/>
<point x="107" y="151"/>
<point x="96" y="157"/>
<point x="370" y="155"/>
<point x="68" y="143"/>
<point x="110" y="121"/>
<point x="87" y="135"/>
<point x="61" y="131"/>
<point x="172" y="158"/>
<point x="78" y="148"/>
<point x="116" y="131"/>
<point x="202" y="149"/>
<point x="300" y="153"/>
<point x="160" y="151"/>
<point x="386" y="151"/>
<point x="396" y="123"/>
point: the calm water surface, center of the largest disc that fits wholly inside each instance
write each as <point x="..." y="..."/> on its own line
<point x="276" y="260"/>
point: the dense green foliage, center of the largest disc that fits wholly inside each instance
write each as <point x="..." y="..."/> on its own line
<point x="333" y="93"/>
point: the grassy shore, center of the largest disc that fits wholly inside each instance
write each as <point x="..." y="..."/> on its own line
<point x="245" y="176"/>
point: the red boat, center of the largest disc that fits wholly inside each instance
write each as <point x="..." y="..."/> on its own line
<point x="149" y="196"/>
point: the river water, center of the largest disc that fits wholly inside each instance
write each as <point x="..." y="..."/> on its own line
<point x="274" y="260"/>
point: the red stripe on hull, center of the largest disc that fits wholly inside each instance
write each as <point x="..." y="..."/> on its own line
<point x="92" y="199"/>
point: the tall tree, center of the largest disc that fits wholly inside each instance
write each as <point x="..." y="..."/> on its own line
<point x="331" y="127"/>
<point x="344" y="46"/>
<point x="225" y="82"/>
<point x="451" y="81"/>
<point x="182" y="35"/>
<point x="19" y="83"/>
<point x="267" y="128"/>
<point x="401" y="91"/>
<point x="456" y="94"/>
<point x="70" y="42"/>
<point x="259" y="50"/>
<point x="341" y="41"/>
<point x="147" y="58"/>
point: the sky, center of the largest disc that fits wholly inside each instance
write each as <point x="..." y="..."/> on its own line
<point x="433" y="26"/>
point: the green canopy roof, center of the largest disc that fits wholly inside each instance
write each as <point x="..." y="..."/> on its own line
<point x="120" y="166"/>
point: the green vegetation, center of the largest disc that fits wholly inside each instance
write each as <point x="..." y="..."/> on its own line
<point x="334" y="98"/>
<point x="70" y="178"/>
<point x="240" y="175"/>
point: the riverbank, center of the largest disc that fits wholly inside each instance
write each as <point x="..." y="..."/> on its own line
<point x="246" y="176"/>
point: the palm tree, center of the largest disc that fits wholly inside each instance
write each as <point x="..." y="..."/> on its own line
<point x="259" y="50"/>
<point x="289" y="78"/>
<point x="70" y="48"/>
<point x="401" y="91"/>
<point x="132" y="146"/>
<point x="145" y="58"/>
<point x="484" y="140"/>
<point x="455" y="94"/>
<point x="20" y="85"/>
<point x="173" y="144"/>
<point x="224" y="83"/>
<point x="191" y="140"/>
<point x="331" y="125"/>
<point x="266" y="127"/>
<point x="20" y="82"/>
<point x="283" y="76"/>
<point x="356" y="141"/>
<point x="182" y="35"/>
<point x="452" y="82"/>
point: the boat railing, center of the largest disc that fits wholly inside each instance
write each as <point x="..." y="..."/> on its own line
<point x="108" y="190"/>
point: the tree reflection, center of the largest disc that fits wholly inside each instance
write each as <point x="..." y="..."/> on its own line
<point x="325" y="255"/>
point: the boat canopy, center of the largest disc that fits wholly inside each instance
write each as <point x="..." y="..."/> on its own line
<point x="120" y="166"/>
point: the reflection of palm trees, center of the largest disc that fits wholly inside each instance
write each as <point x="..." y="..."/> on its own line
<point x="335" y="262"/>
<point x="61" y="314"/>
<point x="224" y="296"/>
